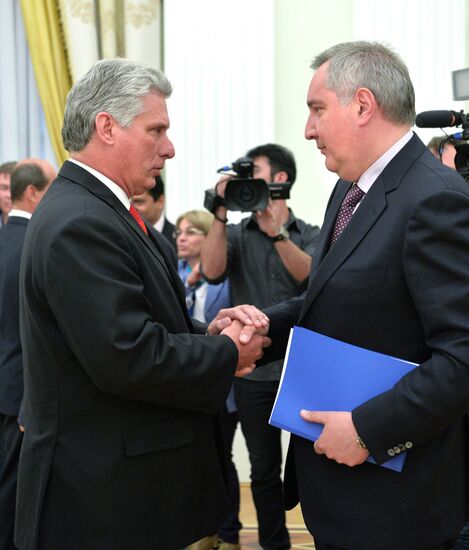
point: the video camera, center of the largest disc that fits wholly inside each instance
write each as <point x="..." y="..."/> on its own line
<point x="243" y="192"/>
<point x="442" y="119"/>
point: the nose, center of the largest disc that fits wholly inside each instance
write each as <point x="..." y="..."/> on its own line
<point x="310" y="131"/>
<point x="168" y="149"/>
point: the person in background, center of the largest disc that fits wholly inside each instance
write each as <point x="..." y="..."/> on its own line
<point x="444" y="150"/>
<point x="29" y="181"/>
<point x="151" y="206"/>
<point x="203" y="301"/>
<point x="5" y="196"/>
<point x="442" y="147"/>
<point x="267" y="257"/>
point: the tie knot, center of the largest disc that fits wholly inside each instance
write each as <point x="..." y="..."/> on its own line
<point x="353" y="196"/>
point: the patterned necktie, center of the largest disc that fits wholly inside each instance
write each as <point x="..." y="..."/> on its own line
<point x="352" y="198"/>
<point x="138" y="219"/>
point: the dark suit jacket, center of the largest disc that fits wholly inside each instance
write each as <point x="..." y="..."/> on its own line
<point x="119" y="391"/>
<point x="11" y="364"/>
<point x="168" y="232"/>
<point x="397" y="282"/>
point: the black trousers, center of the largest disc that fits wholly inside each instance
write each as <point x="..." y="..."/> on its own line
<point x="319" y="545"/>
<point x="10" y="441"/>
<point x="254" y="400"/>
<point x="229" y="531"/>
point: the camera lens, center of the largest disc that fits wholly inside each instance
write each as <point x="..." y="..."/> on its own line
<point x="247" y="194"/>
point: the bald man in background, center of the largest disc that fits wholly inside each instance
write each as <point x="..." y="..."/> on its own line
<point x="29" y="181"/>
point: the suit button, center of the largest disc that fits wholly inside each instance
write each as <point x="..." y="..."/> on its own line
<point x="401" y="447"/>
<point x="391" y="452"/>
<point x="397" y="450"/>
<point x="409" y="444"/>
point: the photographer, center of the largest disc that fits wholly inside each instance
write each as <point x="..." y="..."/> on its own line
<point x="268" y="259"/>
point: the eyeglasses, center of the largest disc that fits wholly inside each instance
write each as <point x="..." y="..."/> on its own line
<point x="190" y="231"/>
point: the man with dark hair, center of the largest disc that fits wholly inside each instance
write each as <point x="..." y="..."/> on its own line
<point x="5" y="198"/>
<point x="151" y="206"/>
<point x="29" y="181"/>
<point x="268" y="259"/>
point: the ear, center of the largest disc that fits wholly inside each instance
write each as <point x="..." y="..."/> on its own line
<point x="280" y="177"/>
<point x="31" y="194"/>
<point x="366" y="105"/>
<point x="105" y="128"/>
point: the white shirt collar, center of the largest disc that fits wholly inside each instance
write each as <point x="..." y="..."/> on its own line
<point x="371" y="174"/>
<point x="113" y="187"/>
<point x="159" y="224"/>
<point x="19" y="213"/>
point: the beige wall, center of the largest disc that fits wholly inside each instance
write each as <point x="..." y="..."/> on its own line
<point x="303" y="28"/>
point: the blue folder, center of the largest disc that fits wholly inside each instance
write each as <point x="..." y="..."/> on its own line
<point x="324" y="374"/>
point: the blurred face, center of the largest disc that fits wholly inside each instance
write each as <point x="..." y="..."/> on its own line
<point x="189" y="241"/>
<point x="448" y="155"/>
<point x="332" y="126"/>
<point x="5" y="197"/>
<point x="150" y="209"/>
<point x="262" y="169"/>
<point x="143" y="147"/>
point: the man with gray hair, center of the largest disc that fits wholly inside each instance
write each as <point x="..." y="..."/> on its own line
<point x="119" y="450"/>
<point x="29" y="181"/>
<point x="390" y="274"/>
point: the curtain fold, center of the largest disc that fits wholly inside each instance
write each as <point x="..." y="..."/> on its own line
<point x="46" y="46"/>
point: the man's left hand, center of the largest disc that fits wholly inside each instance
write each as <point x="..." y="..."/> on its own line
<point x="338" y="440"/>
<point x="268" y="222"/>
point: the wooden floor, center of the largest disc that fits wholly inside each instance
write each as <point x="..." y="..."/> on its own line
<point x="300" y="538"/>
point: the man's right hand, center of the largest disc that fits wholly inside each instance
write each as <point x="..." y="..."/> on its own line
<point x="248" y="315"/>
<point x="248" y="353"/>
<point x="220" y="186"/>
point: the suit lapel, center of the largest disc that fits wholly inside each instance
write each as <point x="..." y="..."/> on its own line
<point x="172" y="273"/>
<point x="369" y="211"/>
<point x="362" y="221"/>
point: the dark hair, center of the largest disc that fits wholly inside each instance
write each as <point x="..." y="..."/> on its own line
<point x="280" y="159"/>
<point x="8" y="167"/>
<point x="158" y="190"/>
<point x="27" y="174"/>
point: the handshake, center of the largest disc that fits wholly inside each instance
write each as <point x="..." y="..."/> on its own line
<point x="247" y="327"/>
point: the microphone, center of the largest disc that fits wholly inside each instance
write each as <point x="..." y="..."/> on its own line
<point x="438" y="119"/>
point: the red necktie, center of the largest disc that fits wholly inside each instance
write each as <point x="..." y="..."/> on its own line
<point x="138" y="219"/>
<point x="352" y="198"/>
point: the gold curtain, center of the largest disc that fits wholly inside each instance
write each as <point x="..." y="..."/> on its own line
<point x="46" y="46"/>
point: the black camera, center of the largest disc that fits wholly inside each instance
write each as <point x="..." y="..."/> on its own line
<point x="243" y="192"/>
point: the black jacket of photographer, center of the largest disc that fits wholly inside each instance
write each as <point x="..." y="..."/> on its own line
<point x="258" y="275"/>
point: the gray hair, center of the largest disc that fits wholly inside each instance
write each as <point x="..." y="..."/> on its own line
<point x="28" y="173"/>
<point x="371" y="65"/>
<point x="115" y="86"/>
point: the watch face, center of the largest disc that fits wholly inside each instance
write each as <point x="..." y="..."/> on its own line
<point x="284" y="232"/>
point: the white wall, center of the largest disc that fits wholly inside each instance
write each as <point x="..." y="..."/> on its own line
<point x="219" y="55"/>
